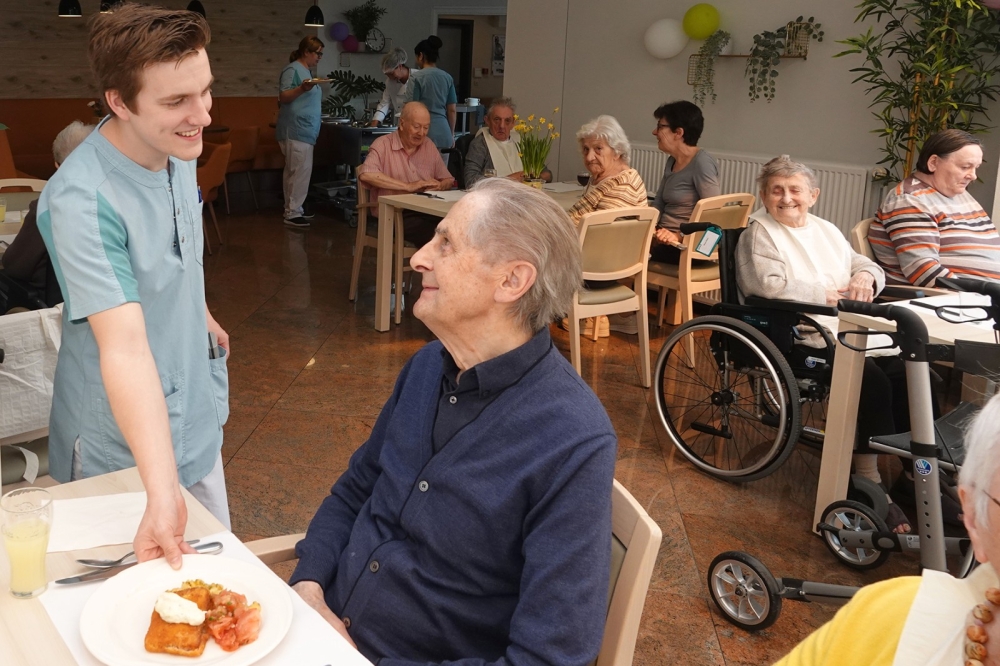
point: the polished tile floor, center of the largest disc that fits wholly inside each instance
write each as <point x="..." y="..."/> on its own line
<point x="308" y="375"/>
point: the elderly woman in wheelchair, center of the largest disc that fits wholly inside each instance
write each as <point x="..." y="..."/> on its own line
<point x="789" y="254"/>
<point x="738" y="389"/>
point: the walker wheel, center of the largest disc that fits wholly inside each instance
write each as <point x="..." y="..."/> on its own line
<point x="744" y="590"/>
<point x="856" y="517"/>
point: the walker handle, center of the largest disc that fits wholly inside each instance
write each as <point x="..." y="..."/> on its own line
<point x="911" y="332"/>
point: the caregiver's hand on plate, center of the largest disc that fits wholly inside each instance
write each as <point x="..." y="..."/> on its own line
<point x="312" y="594"/>
<point x="161" y="530"/>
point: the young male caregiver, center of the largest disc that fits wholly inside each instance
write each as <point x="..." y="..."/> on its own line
<point x="135" y="384"/>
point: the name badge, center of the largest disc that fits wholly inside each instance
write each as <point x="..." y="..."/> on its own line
<point x="709" y="240"/>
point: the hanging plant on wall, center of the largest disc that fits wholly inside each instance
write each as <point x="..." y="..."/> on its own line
<point x="930" y="65"/>
<point x="768" y="48"/>
<point x="702" y="66"/>
<point x="364" y="18"/>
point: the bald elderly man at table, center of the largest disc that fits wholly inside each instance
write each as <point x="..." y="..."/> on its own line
<point x="473" y="526"/>
<point x="406" y="162"/>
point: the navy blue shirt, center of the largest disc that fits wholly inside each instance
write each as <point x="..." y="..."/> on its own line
<point x="496" y="549"/>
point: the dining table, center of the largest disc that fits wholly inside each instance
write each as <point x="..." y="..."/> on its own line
<point x="44" y="631"/>
<point x="845" y="385"/>
<point x="565" y="194"/>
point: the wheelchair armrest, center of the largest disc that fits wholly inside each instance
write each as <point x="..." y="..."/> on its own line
<point x="792" y="306"/>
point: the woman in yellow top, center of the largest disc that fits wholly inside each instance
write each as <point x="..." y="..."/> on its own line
<point x="925" y="619"/>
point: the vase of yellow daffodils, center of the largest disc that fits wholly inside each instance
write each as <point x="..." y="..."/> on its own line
<point x="534" y="142"/>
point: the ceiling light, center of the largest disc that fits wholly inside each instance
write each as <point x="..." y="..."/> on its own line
<point x="70" y="9"/>
<point x="196" y="6"/>
<point x="314" y="17"/>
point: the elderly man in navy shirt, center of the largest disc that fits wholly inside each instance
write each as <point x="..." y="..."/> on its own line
<point x="474" y="526"/>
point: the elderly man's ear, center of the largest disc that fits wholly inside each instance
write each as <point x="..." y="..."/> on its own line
<point x="517" y="279"/>
<point x="969" y="518"/>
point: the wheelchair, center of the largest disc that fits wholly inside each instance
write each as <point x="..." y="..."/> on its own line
<point x="734" y="391"/>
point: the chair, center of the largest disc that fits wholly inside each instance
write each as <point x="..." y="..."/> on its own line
<point x="635" y="542"/>
<point x="859" y="243"/>
<point x="32" y="184"/>
<point x="694" y="276"/>
<point x="401" y="251"/>
<point x="244" y="141"/>
<point x="615" y="245"/>
<point x="211" y="176"/>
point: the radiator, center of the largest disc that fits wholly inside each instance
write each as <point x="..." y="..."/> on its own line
<point x="846" y="192"/>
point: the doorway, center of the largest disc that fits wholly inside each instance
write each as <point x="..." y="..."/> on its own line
<point x="456" y="53"/>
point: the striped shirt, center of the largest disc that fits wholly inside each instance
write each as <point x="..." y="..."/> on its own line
<point x="622" y="191"/>
<point x="920" y="235"/>
<point x="387" y="156"/>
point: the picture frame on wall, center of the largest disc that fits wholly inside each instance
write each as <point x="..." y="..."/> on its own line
<point x="499" y="53"/>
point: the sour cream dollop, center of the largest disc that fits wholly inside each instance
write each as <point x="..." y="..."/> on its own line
<point x="175" y="609"/>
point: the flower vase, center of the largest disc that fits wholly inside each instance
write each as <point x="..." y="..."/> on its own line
<point x="536" y="183"/>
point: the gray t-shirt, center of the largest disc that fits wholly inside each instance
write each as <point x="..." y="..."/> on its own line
<point x="680" y="190"/>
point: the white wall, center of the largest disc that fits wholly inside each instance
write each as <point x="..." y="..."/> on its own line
<point x="587" y="56"/>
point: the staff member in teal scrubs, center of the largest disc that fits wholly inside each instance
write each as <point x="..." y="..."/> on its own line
<point x="300" y="104"/>
<point x="137" y="383"/>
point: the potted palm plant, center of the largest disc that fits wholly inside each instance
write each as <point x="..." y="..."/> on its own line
<point x="929" y="65"/>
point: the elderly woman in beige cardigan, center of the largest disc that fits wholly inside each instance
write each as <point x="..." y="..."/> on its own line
<point x="789" y="254"/>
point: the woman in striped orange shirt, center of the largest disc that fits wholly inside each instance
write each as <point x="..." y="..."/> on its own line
<point x="929" y="226"/>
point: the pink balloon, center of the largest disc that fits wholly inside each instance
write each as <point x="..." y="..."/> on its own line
<point x="339" y="31"/>
<point x="350" y="44"/>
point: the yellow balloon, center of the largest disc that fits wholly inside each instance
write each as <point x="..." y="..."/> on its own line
<point x="701" y="21"/>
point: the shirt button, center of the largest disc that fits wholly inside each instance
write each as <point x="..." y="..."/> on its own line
<point x="453" y="400"/>
<point x="423" y="485"/>
<point x="373" y="567"/>
<point x="347" y="622"/>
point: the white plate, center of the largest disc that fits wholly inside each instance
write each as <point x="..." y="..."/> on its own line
<point x="114" y="621"/>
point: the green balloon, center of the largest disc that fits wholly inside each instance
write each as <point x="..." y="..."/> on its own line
<point x="701" y="21"/>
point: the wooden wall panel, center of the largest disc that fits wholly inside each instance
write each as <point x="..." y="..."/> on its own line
<point x="42" y="55"/>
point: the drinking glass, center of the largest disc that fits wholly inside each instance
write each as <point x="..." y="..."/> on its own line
<point x="27" y="518"/>
<point x="3" y="209"/>
<point x="583" y="178"/>
<point x="489" y="173"/>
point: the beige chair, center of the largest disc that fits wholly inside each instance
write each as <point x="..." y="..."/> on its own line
<point x="860" y="244"/>
<point x="635" y="542"/>
<point x="695" y="275"/>
<point x="401" y="252"/>
<point x="615" y="246"/>
<point x="22" y="184"/>
<point x="211" y="176"/>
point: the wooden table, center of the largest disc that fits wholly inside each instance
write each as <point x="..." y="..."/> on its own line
<point x="845" y="390"/>
<point x="387" y="207"/>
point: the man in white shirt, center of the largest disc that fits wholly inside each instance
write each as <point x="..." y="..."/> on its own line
<point x="397" y="86"/>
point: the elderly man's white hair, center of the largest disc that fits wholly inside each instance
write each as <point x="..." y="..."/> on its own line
<point x="607" y="128"/>
<point x="68" y="139"/>
<point x="982" y="458"/>
<point x="501" y="101"/>
<point x="517" y="223"/>
<point x="393" y="59"/>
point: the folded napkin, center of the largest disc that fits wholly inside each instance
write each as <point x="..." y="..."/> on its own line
<point x="89" y="522"/>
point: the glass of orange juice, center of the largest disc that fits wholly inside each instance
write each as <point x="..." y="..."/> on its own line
<point x="27" y="517"/>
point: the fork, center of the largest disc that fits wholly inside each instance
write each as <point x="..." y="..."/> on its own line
<point x="107" y="564"/>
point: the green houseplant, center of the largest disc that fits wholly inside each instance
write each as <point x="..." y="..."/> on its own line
<point x="363" y="18"/>
<point x="768" y="48"/>
<point x="703" y="66"/>
<point x="348" y="86"/>
<point x="929" y="65"/>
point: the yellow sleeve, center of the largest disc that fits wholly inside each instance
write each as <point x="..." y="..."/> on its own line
<point x="865" y="631"/>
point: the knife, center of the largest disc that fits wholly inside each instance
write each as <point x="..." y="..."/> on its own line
<point x="209" y="548"/>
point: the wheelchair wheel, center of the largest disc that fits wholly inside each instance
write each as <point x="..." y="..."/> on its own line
<point x="869" y="493"/>
<point x="854" y="516"/>
<point x="744" y="590"/>
<point x="727" y="398"/>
